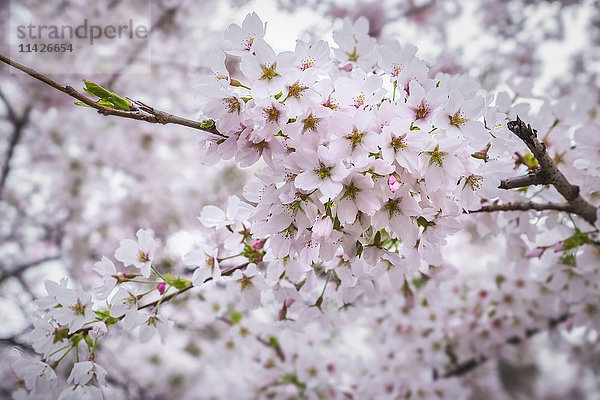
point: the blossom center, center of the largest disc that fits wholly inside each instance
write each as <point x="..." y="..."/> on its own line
<point x="78" y="308"/>
<point x="351" y="192"/>
<point x="310" y="123"/>
<point x="232" y="104"/>
<point x="247" y="42"/>
<point x="269" y="71"/>
<point x="245" y="282"/>
<point x="422" y="111"/>
<point x="272" y="114"/>
<point x="353" y="56"/>
<point x="143" y="256"/>
<point x="457" y="119"/>
<point x="323" y="171"/>
<point x="398" y="142"/>
<point x="359" y="100"/>
<point x="296" y="90"/>
<point x="474" y="182"/>
<point x="356" y="137"/>
<point x="393" y="206"/>
<point x="307" y="62"/>
<point x="437" y="156"/>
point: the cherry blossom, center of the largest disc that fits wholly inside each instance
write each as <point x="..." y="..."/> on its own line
<point x="139" y="254"/>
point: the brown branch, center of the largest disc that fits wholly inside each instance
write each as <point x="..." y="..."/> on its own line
<point x="525" y="206"/>
<point x="23" y="267"/>
<point x="273" y="345"/>
<point x="147" y="113"/>
<point x="171" y="296"/>
<point x="18" y="125"/>
<point x="535" y="177"/>
<point x="475" y="362"/>
<point x="185" y="289"/>
<point x="12" y="115"/>
<point x="547" y="173"/>
<point x="13" y="342"/>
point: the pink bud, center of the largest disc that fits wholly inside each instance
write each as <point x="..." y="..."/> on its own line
<point x="538" y="251"/>
<point x="393" y="183"/>
<point x="289" y="301"/>
<point x="559" y="246"/>
<point x="161" y="287"/>
<point x="569" y="324"/>
<point x="258" y="244"/>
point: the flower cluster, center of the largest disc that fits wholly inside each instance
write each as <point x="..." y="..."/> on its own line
<point x="372" y="167"/>
<point x="370" y="159"/>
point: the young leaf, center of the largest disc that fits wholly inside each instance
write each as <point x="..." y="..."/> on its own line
<point x="107" y="98"/>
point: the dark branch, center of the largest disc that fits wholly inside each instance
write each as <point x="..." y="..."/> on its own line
<point x="147" y="113"/>
<point x="169" y="297"/>
<point x="24" y="267"/>
<point x="475" y="362"/>
<point x="535" y="177"/>
<point x="525" y="206"/>
<point x="12" y="115"/>
<point x="172" y="295"/>
<point x="18" y="126"/>
<point x="547" y="173"/>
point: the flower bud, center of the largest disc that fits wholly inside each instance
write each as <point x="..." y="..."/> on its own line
<point x="537" y="252"/>
<point x="98" y="330"/>
<point x="393" y="183"/>
<point x="161" y="287"/>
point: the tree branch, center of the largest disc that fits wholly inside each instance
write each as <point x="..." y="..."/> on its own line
<point x="172" y="295"/>
<point x="12" y="115"/>
<point x="18" y="125"/>
<point x="23" y="267"/>
<point x="525" y="206"/>
<point x="145" y="113"/>
<point x="547" y="173"/>
<point x="475" y="362"/>
<point x="535" y="177"/>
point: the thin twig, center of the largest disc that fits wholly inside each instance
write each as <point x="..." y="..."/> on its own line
<point x="185" y="289"/>
<point x="172" y="295"/>
<point x="23" y="267"/>
<point x="535" y="177"/>
<point x="547" y="173"/>
<point x="475" y="362"/>
<point x="149" y="114"/>
<point x="19" y="124"/>
<point x="525" y="206"/>
<point x="12" y="115"/>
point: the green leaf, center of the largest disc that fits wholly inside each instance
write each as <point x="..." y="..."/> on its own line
<point x="236" y="317"/>
<point x="579" y="238"/>
<point x="530" y="160"/>
<point x="107" y="98"/>
<point x="421" y="221"/>
<point x="76" y="338"/>
<point x="178" y="283"/>
<point x="82" y="104"/>
<point x="207" y="124"/>
<point x="359" y="248"/>
<point x="377" y="240"/>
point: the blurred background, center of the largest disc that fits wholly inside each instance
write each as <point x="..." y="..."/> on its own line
<point x="74" y="183"/>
